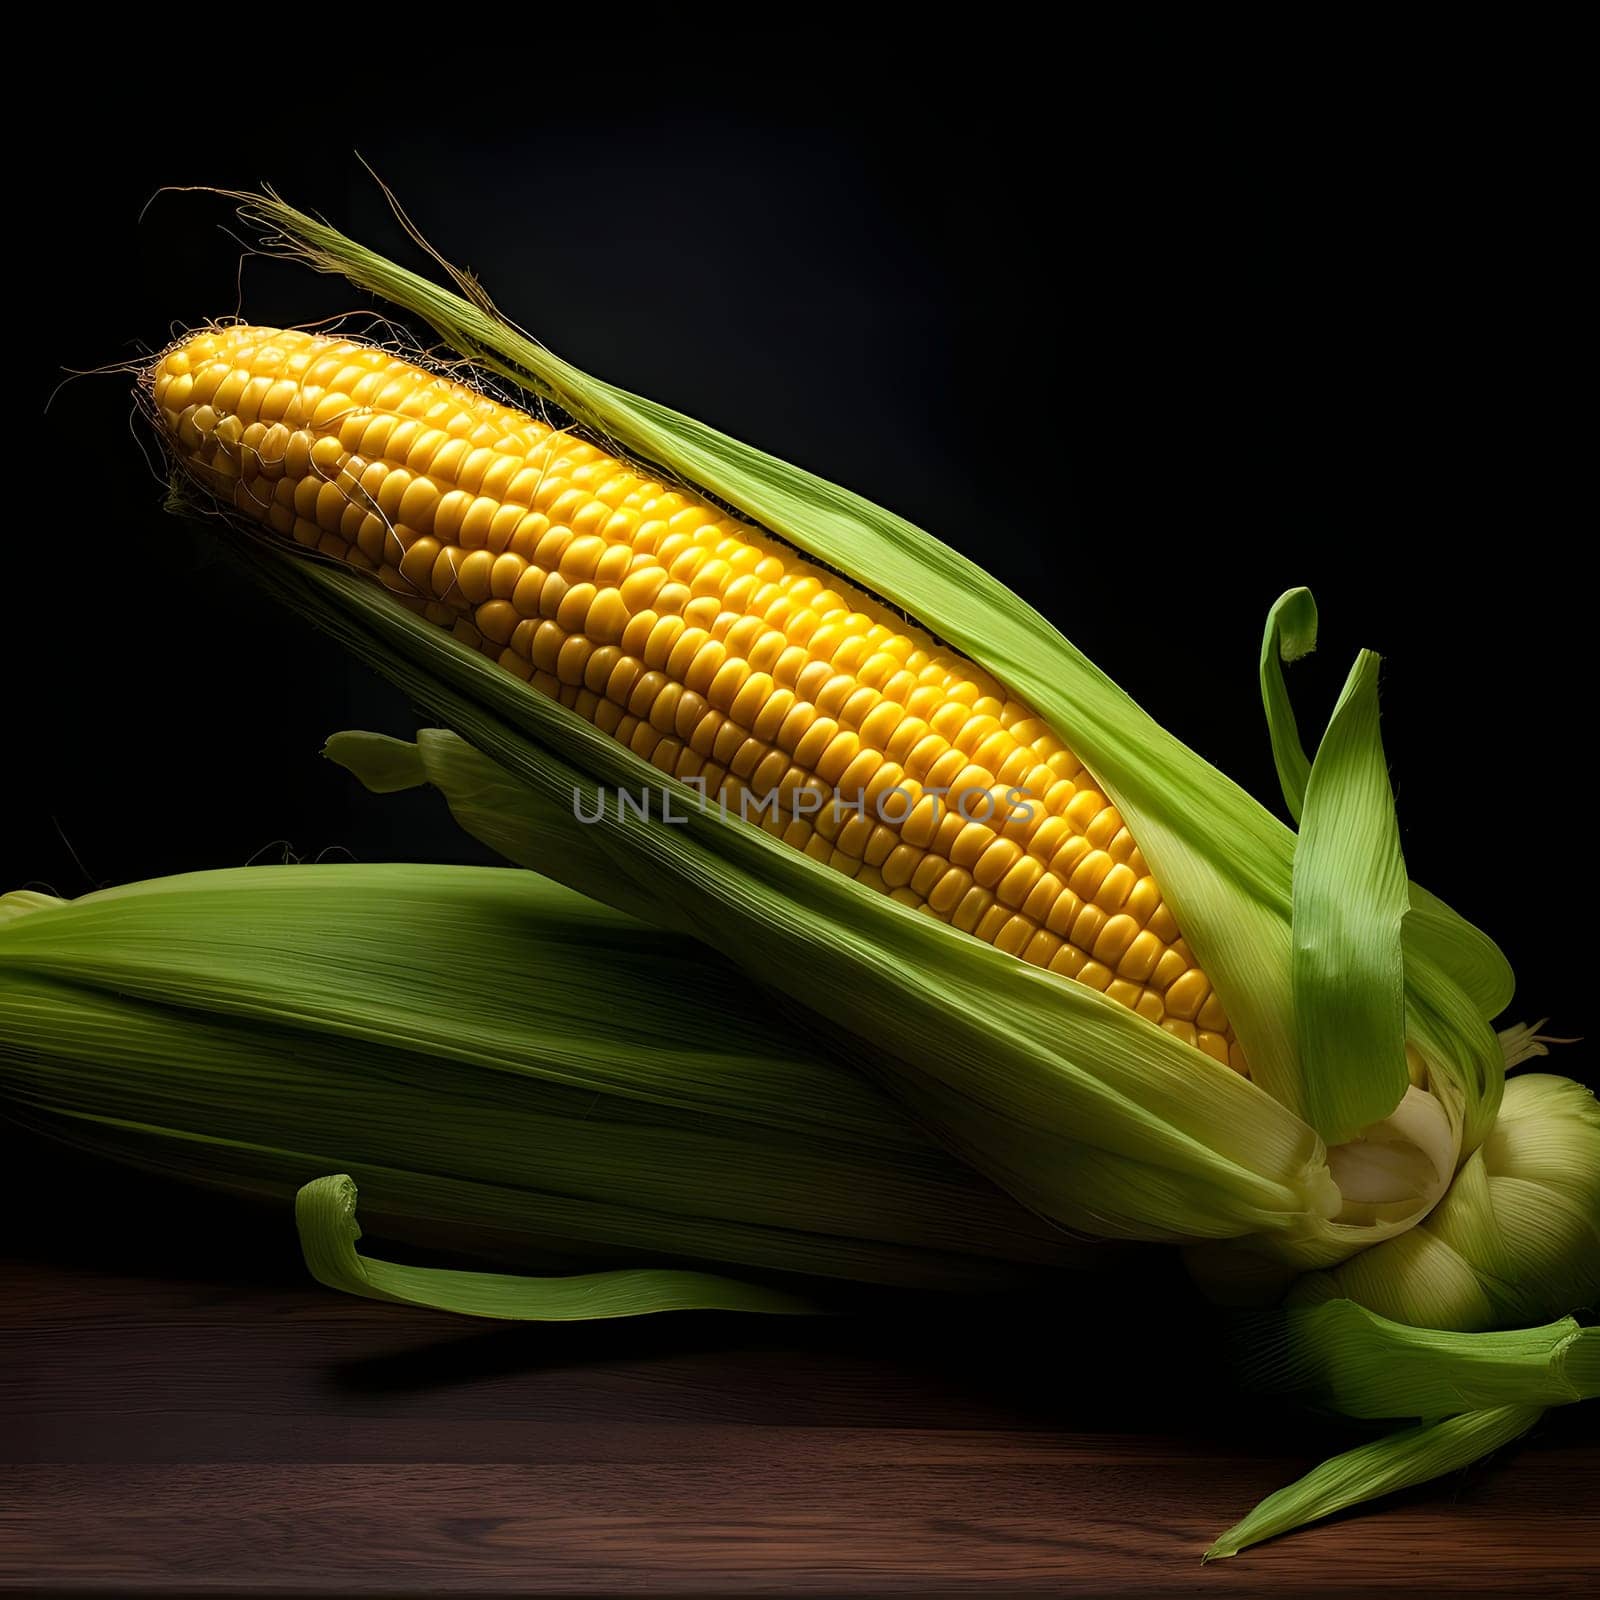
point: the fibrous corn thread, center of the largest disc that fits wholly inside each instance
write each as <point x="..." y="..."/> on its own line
<point x="709" y="648"/>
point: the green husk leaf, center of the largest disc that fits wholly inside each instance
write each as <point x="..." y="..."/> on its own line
<point x="1432" y="929"/>
<point x="1349" y="903"/>
<point x="325" y="1215"/>
<point x="1346" y="1358"/>
<point x="1397" y="1461"/>
<point x="1291" y="634"/>
<point x="1473" y="961"/>
<point x="499" y="812"/>
<point x="20" y="902"/>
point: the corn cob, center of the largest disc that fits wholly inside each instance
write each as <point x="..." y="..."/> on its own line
<point x="709" y="648"/>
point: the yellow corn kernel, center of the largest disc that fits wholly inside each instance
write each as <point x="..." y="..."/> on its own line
<point x="703" y="644"/>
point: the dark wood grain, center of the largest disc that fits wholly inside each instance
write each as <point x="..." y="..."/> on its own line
<point x="183" y="1423"/>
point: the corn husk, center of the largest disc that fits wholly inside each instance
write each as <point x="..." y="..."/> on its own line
<point x="504" y="1069"/>
<point x="1384" y="1466"/>
<point x="1517" y="1237"/>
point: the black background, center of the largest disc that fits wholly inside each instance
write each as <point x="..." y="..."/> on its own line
<point x="1151" y="358"/>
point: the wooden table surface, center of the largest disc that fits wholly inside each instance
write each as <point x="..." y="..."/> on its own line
<point x="181" y="1412"/>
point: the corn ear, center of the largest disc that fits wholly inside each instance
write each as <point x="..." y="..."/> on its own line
<point x="1144" y="1161"/>
<point x="508" y="1071"/>
<point x="1172" y="800"/>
